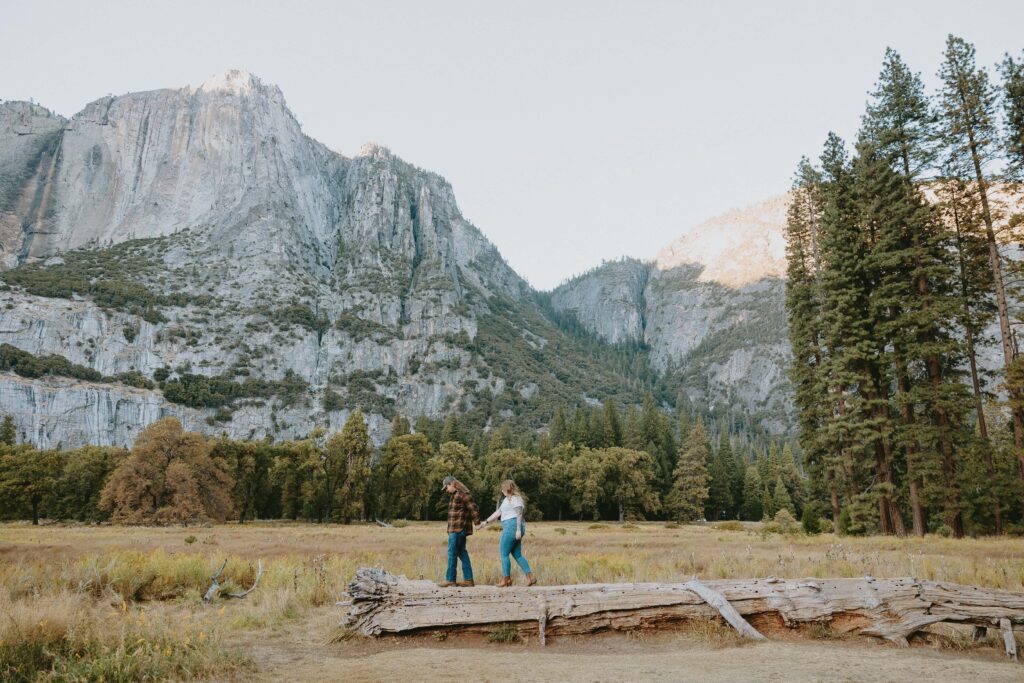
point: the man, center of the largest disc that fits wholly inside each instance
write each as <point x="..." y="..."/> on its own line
<point x="462" y="515"/>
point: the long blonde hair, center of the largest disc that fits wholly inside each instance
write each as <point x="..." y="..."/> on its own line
<point x="509" y="489"/>
<point x="459" y="485"/>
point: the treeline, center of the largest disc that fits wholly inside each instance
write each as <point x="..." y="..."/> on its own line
<point x="593" y="464"/>
<point x="897" y="271"/>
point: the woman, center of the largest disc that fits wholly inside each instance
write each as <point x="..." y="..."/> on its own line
<point x="513" y="527"/>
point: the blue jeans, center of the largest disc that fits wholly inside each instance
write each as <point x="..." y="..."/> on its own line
<point x="457" y="551"/>
<point x="510" y="546"/>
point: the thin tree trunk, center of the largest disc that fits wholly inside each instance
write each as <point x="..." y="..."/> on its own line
<point x="915" y="483"/>
<point x="972" y="359"/>
<point x="834" y="498"/>
<point x="953" y="517"/>
<point x="891" y="522"/>
<point x="1003" y="310"/>
<point x="837" y="511"/>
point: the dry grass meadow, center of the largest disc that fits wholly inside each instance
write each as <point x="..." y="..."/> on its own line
<point x="91" y="602"/>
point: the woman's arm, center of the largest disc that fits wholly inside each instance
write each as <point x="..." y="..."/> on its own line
<point x="494" y="516"/>
<point x="519" y="521"/>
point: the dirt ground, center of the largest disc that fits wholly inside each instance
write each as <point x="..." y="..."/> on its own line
<point x="302" y="652"/>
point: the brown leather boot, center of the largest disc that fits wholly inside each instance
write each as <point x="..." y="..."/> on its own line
<point x="465" y="584"/>
<point x="446" y="584"/>
<point x="504" y="582"/>
<point x="531" y="579"/>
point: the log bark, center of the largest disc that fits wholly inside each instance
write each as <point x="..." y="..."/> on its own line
<point x="892" y="609"/>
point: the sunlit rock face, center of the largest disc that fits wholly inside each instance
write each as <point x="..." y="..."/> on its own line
<point x="711" y="307"/>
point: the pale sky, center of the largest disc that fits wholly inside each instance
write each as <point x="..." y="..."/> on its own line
<point x="571" y="132"/>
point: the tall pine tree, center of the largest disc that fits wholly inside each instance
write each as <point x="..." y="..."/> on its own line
<point x="685" y="500"/>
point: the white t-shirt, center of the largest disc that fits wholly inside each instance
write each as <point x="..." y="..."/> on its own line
<point x="508" y="507"/>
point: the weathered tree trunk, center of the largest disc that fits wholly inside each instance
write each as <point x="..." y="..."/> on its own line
<point x="972" y="358"/>
<point x="916" y="484"/>
<point x="887" y="608"/>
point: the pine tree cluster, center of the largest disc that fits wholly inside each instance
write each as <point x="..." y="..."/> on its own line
<point x="897" y="269"/>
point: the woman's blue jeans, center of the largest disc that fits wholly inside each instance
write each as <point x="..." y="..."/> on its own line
<point x="510" y="546"/>
<point x="457" y="551"/>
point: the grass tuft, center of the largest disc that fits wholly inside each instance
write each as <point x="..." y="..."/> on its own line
<point x="506" y="633"/>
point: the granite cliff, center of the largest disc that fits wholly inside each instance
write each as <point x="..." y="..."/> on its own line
<point x="710" y="307"/>
<point x="194" y="253"/>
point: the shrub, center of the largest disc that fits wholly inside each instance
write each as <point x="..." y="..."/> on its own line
<point x="303" y="317"/>
<point x="200" y="391"/>
<point x="506" y="633"/>
<point x="730" y="525"/>
<point x="360" y="328"/>
<point x="784" y="523"/>
<point x="103" y="274"/>
<point x="810" y="520"/>
<point x="27" y="365"/>
<point x="333" y="401"/>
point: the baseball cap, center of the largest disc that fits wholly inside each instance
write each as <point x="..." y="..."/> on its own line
<point x="447" y="480"/>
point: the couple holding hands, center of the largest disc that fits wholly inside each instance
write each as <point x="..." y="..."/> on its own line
<point x="463" y="517"/>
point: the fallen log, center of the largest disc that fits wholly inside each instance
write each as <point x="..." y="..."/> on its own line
<point x="892" y="609"/>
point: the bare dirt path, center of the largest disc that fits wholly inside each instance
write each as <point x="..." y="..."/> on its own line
<point x="303" y="651"/>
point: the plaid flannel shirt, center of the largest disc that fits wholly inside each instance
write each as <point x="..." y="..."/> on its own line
<point x="462" y="513"/>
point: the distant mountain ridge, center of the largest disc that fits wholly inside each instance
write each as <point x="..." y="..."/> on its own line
<point x="711" y="307"/>
<point x="254" y="282"/>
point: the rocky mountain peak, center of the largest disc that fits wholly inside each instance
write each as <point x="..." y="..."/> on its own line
<point x="737" y="248"/>
<point x="372" y="149"/>
<point x="25" y="118"/>
<point x="234" y="81"/>
<point x="710" y="308"/>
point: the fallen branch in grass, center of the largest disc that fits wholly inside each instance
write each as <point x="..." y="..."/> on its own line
<point x="384" y="524"/>
<point x="893" y="609"/>
<point x="214" y="590"/>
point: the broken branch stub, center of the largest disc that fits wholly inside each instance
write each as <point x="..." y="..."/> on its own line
<point x="214" y="590"/>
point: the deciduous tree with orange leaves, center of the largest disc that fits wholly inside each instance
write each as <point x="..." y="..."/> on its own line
<point x="170" y="477"/>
